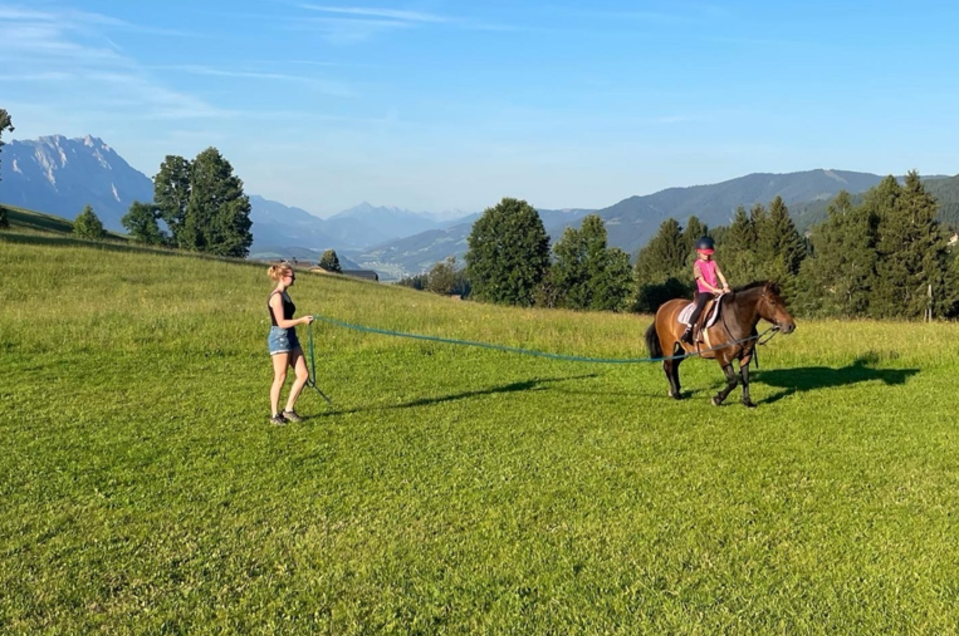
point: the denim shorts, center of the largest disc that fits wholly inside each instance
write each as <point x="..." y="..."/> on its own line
<point x="282" y="340"/>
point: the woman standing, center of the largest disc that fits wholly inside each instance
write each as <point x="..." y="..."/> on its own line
<point x="285" y="349"/>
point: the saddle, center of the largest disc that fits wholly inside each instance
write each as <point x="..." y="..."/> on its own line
<point x="706" y="319"/>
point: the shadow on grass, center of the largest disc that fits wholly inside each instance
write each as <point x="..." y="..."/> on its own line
<point x="513" y="387"/>
<point x="803" y="379"/>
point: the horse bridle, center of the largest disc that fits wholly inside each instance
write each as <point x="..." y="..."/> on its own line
<point x="758" y="337"/>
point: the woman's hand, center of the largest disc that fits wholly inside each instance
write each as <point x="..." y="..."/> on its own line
<point x="306" y="320"/>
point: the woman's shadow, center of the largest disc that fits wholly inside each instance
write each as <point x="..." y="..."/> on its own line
<point x="801" y="379"/>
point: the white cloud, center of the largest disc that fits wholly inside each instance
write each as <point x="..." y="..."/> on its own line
<point x="68" y="52"/>
<point x="389" y="14"/>
<point x="333" y="89"/>
<point x="341" y="24"/>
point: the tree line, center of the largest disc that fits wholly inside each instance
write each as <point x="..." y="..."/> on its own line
<point x="885" y="257"/>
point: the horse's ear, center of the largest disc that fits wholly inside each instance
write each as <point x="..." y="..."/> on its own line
<point x="773" y="286"/>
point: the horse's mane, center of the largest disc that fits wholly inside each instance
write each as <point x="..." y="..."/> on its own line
<point x="773" y="286"/>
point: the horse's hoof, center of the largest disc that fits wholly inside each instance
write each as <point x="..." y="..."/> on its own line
<point x="676" y="396"/>
<point x="749" y="404"/>
<point x="717" y="401"/>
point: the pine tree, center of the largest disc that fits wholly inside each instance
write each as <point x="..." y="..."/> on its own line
<point x="664" y="256"/>
<point x="737" y="251"/>
<point x="695" y="230"/>
<point x="786" y="244"/>
<point x="838" y="279"/>
<point x="508" y="253"/>
<point x="87" y="225"/>
<point x="913" y="252"/>
<point x="217" y="212"/>
<point x="893" y="290"/>
<point x="660" y="273"/>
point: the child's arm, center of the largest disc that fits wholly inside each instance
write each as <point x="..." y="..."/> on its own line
<point x="722" y="279"/>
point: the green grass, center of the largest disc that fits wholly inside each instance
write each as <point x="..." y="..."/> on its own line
<point x="452" y="490"/>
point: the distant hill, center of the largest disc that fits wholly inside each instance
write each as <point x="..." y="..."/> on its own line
<point x="418" y="253"/>
<point x="944" y="189"/>
<point x="277" y="227"/>
<point x="366" y="225"/>
<point x="633" y="221"/>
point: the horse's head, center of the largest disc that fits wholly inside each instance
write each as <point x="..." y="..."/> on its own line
<point x="772" y="308"/>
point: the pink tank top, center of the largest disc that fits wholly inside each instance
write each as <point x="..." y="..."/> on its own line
<point x="706" y="269"/>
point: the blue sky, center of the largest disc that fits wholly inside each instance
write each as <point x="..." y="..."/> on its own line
<point x="436" y="106"/>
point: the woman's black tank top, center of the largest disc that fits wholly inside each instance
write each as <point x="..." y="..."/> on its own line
<point x="288" y="308"/>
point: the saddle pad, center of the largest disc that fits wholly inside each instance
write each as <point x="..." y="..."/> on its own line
<point x="710" y="319"/>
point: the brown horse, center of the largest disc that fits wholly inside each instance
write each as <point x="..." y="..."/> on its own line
<point x="731" y="337"/>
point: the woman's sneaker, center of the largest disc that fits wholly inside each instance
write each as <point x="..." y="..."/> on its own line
<point x="291" y="416"/>
<point x="278" y="420"/>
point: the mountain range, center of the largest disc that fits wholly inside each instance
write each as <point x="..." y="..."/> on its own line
<point x="59" y="176"/>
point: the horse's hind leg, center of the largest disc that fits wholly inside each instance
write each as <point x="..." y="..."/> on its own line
<point x="671" y="367"/>
<point x="731" y="381"/>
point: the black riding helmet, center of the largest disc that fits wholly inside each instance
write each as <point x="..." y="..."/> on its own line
<point x="705" y="243"/>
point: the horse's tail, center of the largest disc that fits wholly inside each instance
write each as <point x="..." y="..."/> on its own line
<point x="652" y="342"/>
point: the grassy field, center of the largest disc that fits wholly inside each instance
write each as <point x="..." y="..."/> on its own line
<point x="451" y="490"/>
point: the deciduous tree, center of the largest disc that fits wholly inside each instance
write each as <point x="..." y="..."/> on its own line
<point x="508" y="253"/>
<point x="141" y="221"/>
<point x="171" y="195"/>
<point x="442" y="277"/>
<point x="586" y="273"/>
<point x="331" y="262"/>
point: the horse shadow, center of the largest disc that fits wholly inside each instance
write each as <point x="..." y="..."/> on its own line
<point x="802" y="379"/>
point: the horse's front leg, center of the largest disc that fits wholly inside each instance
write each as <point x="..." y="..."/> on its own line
<point x="744" y="372"/>
<point x="731" y="381"/>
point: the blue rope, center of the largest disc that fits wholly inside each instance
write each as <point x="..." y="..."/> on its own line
<point x="311" y="380"/>
<point x="529" y="352"/>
